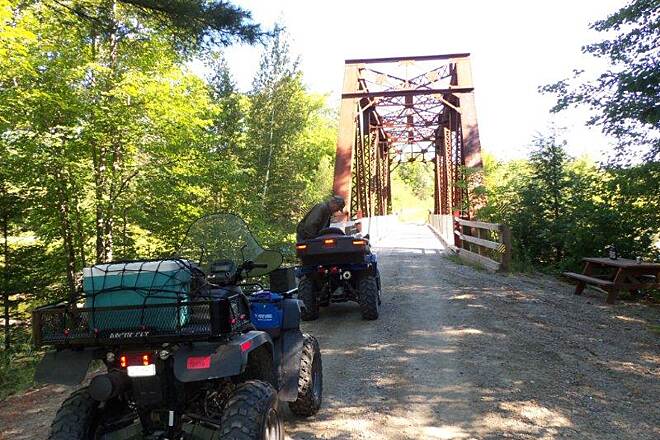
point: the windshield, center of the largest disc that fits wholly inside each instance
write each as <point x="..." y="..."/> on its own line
<point x="219" y="237"/>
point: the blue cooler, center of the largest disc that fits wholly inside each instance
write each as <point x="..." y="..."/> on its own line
<point x="266" y="312"/>
<point x="136" y="284"/>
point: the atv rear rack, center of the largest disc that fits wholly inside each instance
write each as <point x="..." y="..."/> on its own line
<point x="66" y="324"/>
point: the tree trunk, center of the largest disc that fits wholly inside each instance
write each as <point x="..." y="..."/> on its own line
<point x="107" y="157"/>
<point x="270" y="153"/>
<point x="67" y="233"/>
<point x="99" y="159"/>
<point x="5" y="279"/>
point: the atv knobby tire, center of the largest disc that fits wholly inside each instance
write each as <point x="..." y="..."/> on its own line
<point x="75" y="418"/>
<point x="251" y="413"/>
<point x="310" y="379"/>
<point x="308" y="295"/>
<point x="81" y="417"/>
<point x="368" y="297"/>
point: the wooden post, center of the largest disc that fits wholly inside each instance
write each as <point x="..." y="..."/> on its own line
<point x="613" y="292"/>
<point x="505" y="239"/>
<point x="588" y="268"/>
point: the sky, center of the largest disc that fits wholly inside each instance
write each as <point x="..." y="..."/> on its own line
<point x="515" y="47"/>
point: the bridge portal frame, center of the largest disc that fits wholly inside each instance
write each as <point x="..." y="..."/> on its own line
<point x="437" y="111"/>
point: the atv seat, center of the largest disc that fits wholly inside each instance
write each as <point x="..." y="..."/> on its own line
<point x="331" y="231"/>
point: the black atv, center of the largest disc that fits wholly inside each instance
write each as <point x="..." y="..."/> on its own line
<point x="187" y="353"/>
<point x="337" y="267"/>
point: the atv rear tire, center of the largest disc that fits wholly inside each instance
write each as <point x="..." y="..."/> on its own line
<point x="75" y="418"/>
<point x="251" y="413"/>
<point x="80" y="417"/>
<point x="310" y="379"/>
<point x="368" y="297"/>
<point x="308" y="295"/>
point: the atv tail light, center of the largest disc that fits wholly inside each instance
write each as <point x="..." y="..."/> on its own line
<point x="245" y="346"/>
<point x="359" y="242"/>
<point x="329" y="242"/>
<point x="135" y="359"/>
<point x="334" y="269"/>
<point x="198" y="362"/>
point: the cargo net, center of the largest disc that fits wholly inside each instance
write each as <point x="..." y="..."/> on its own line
<point x="145" y="300"/>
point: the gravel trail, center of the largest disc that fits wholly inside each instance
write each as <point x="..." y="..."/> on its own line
<point x="463" y="354"/>
<point x="458" y="353"/>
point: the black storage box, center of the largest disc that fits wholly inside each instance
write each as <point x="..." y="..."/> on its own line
<point x="282" y="280"/>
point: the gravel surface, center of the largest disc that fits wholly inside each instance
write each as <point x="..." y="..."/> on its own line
<point x="460" y="353"/>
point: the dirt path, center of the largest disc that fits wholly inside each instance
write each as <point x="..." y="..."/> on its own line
<point x="463" y="354"/>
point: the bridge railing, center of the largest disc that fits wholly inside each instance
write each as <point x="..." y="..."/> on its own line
<point x="486" y="244"/>
<point x="443" y="226"/>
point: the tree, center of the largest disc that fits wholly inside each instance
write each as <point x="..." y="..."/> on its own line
<point x="547" y="191"/>
<point x="625" y="99"/>
<point x="192" y="24"/>
<point x="85" y="113"/>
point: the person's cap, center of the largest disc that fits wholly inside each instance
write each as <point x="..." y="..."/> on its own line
<point x="339" y="201"/>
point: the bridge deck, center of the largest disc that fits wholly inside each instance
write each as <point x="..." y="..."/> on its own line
<point x="410" y="238"/>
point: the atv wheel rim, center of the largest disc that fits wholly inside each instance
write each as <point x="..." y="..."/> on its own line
<point x="272" y="426"/>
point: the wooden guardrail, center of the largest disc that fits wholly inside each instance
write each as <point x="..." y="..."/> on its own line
<point x="486" y="244"/>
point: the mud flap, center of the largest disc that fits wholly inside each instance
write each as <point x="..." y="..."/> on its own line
<point x="65" y="367"/>
<point x="292" y="344"/>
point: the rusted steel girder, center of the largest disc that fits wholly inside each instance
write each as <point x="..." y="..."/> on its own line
<point x="406" y="109"/>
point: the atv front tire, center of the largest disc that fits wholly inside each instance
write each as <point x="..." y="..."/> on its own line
<point x="251" y="413"/>
<point x="368" y="297"/>
<point x="310" y="379"/>
<point x="308" y="295"/>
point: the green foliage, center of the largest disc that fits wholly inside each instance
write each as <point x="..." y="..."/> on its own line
<point x="625" y="98"/>
<point x="17" y="365"/>
<point x="110" y="146"/>
<point x="419" y="177"/>
<point x="562" y="209"/>
<point x="412" y="191"/>
<point x="191" y="24"/>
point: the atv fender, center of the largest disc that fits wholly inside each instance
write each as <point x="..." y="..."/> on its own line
<point x="64" y="367"/>
<point x="227" y="359"/>
<point x="291" y="314"/>
<point x="292" y="344"/>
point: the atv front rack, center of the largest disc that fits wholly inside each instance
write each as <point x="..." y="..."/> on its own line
<point x="66" y="324"/>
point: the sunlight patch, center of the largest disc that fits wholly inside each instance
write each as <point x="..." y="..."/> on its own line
<point x="536" y="414"/>
<point x="462" y="331"/>
<point x="630" y="319"/>
<point x="444" y="432"/>
<point x="464" y="296"/>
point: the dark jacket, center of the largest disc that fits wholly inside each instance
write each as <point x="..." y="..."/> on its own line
<point x="315" y="220"/>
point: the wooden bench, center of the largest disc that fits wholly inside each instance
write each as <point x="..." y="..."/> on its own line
<point x="588" y="280"/>
<point x="619" y="274"/>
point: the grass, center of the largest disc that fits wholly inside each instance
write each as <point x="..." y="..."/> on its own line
<point x="454" y="258"/>
<point x="17" y="365"/>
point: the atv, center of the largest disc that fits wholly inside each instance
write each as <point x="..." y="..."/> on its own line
<point x="338" y="267"/>
<point x="188" y="348"/>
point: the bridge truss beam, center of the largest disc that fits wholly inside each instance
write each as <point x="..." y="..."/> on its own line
<point x="406" y="109"/>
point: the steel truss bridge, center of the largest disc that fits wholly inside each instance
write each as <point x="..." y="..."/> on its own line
<point x="400" y="110"/>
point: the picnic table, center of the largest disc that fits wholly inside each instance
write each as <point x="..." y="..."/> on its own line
<point x="616" y="275"/>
